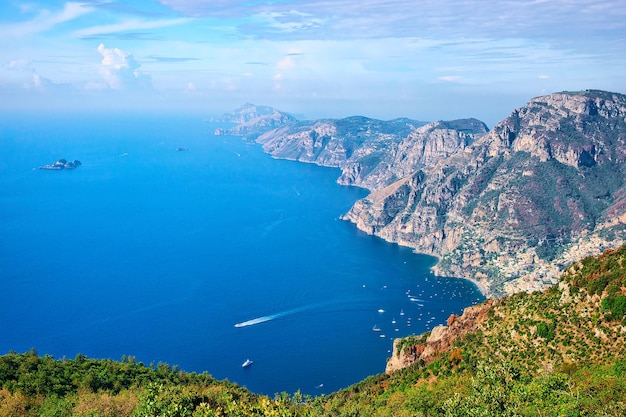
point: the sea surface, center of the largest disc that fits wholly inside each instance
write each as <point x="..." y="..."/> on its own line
<point x="199" y="258"/>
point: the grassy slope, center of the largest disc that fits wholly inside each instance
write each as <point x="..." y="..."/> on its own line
<point x="560" y="352"/>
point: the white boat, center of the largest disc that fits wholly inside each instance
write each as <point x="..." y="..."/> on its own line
<point x="376" y="328"/>
<point x="402" y="312"/>
<point x="247" y="363"/>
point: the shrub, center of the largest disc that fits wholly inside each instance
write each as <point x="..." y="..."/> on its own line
<point x="615" y="306"/>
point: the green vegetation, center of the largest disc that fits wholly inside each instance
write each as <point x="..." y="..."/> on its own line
<point x="561" y="352"/>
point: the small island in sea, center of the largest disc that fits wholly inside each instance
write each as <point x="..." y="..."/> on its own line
<point x="62" y="164"/>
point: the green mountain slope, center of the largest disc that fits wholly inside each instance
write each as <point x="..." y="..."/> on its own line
<point x="558" y="352"/>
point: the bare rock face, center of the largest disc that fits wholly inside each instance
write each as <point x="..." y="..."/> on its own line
<point x="573" y="129"/>
<point x="422" y="147"/>
<point x="507" y="207"/>
<point x="543" y="188"/>
<point x="440" y="339"/>
<point x="371" y="153"/>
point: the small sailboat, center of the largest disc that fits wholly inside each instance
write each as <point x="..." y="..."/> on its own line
<point x="247" y="363"/>
<point x="402" y="312"/>
<point x="376" y="328"/>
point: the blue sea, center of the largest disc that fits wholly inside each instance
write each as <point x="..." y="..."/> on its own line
<point x="200" y="258"/>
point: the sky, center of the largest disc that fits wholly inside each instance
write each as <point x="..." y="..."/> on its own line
<point x="422" y="59"/>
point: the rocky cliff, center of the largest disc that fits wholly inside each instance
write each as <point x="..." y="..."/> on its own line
<point x="543" y="188"/>
<point x="360" y="146"/>
<point x="430" y="346"/>
<point x="580" y="320"/>
<point x="507" y="207"/>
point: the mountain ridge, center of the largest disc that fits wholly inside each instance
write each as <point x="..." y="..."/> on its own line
<point x="508" y="208"/>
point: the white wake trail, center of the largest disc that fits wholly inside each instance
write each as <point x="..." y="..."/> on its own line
<point x="263" y="319"/>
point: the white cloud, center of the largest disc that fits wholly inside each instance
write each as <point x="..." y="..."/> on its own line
<point x="350" y="19"/>
<point x="129" y="25"/>
<point x="450" y="78"/>
<point x="18" y="65"/>
<point x="286" y="63"/>
<point x="120" y="70"/>
<point x="45" y="20"/>
<point x="290" y="21"/>
<point x="40" y="82"/>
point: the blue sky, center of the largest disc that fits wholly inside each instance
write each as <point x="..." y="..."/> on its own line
<point x="426" y="60"/>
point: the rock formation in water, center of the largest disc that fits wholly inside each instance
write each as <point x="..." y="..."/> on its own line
<point x="507" y="207"/>
<point x="62" y="164"/>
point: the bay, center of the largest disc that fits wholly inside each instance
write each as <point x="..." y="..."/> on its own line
<point x="158" y="254"/>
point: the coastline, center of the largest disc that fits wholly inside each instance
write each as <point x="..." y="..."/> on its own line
<point x="484" y="290"/>
<point x="481" y="287"/>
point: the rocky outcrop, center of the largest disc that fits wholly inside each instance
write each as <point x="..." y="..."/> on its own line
<point x="412" y="350"/>
<point x="62" y="164"/>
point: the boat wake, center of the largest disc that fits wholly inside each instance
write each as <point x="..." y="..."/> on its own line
<point x="342" y="304"/>
<point x="269" y="317"/>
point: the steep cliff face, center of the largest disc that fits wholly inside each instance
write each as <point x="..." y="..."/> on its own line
<point x="544" y="187"/>
<point x="371" y="153"/>
<point x="507" y="207"/>
<point x="408" y="351"/>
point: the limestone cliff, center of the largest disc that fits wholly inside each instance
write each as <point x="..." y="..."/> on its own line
<point x="543" y="188"/>
<point x="371" y="153"/>
<point x="411" y="350"/>
<point x="508" y="208"/>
